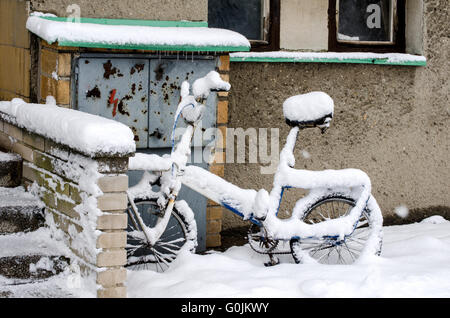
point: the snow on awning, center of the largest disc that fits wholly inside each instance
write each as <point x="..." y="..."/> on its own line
<point x="330" y="57"/>
<point x="136" y="34"/>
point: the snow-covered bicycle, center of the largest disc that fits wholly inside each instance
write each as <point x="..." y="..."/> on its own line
<point x="337" y="222"/>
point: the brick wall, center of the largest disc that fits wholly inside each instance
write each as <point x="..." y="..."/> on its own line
<point x="54" y="75"/>
<point x="214" y="211"/>
<point x="59" y="189"/>
<point x="15" y="56"/>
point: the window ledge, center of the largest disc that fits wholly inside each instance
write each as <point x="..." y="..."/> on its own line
<point x="330" y="57"/>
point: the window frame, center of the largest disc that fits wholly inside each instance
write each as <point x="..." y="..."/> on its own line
<point x="272" y="41"/>
<point x="271" y="28"/>
<point x="399" y="30"/>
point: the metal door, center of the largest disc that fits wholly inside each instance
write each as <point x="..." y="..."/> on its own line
<point x="143" y="93"/>
<point x="166" y="77"/>
<point x="117" y="89"/>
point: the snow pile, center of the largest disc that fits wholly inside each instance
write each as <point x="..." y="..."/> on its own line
<point x="64" y="32"/>
<point x="308" y="107"/>
<point x="402" y="211"/>
<point x="45" y="263"/>
<point x="414" y="263"/>
<point x="300" y="56"/>
<point x="149" y="162"/>
<point x="84" y="132"/>
<point x="211" y="82"/>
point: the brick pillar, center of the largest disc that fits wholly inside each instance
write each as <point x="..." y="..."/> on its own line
<point x="113" y="237"/>
<point x="214" y="211"/>
<point x="54" y="71"/>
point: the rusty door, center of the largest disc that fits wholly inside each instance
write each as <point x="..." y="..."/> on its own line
<point x="117" y="89"/>
<point x="143" y="92"/>
<point x="166" y="77"/>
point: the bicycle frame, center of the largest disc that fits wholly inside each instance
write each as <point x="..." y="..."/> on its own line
<point x="261" y="208"/>
<point x="242" y="201"/>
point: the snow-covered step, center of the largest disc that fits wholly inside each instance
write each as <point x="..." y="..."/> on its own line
<point x="10" y="169"/>
<point x="20" y="211"/>
<point x="31" y="256"/>
<point x="26" y="267"/>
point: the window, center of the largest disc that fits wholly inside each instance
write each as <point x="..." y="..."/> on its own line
<point x="258" y="20"/>
<point x="367" y="25"/>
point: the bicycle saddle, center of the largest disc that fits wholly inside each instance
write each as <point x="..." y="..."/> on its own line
<point x="313" y="109"/>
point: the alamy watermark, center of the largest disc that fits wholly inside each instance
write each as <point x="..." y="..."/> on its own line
<point x="236" y="145"/>
<point x="74" y="13"/>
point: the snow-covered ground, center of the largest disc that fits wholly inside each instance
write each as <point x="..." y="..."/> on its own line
<point x="414" y="263"/>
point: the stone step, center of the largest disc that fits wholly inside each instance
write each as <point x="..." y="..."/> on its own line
<point x="32" y="267"/>
<point x="10" y="169"/>
<point x="20" y="211"/>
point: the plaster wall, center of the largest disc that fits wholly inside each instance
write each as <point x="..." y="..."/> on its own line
<point x="390" y="121"/>
<point x="192" y="10"/>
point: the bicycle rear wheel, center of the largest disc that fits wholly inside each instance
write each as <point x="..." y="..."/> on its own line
<point x="180" y="233"/>
<point x="332" y="250"/>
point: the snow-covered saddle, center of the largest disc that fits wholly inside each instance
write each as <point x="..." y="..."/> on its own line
<point x="313" y="109"/>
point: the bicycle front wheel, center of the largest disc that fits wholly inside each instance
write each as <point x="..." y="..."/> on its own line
<point x="180" y="233"/>
<point x="332" y="250"/>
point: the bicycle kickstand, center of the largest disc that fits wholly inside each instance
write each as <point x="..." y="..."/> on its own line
<point x="273" y="261"/>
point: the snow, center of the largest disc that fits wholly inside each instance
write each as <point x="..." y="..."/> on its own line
<point x="219" y="190"/>
<point x="391" y="57"/>
<point x="149" y="162"/>
<point x="38" y="242"/>
<point x="10" y="197"/>
<point x="44" y="242"/>
<point x="402" y="211"/>
<point x="5" y="156"/>
<point x="44" y="263"/>
<point x="56" y="31"/>
<point x="308" y="107"/>
<point x="72" y="128"/>
<point x="212" y="81"/>
<point x="414" y="263"/>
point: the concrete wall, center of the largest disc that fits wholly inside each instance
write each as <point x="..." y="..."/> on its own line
<point x="193" y="10"/>
<point x="390" y="121"/>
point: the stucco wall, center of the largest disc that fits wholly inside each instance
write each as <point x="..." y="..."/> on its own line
<point x="192" y="10"/>
<point x="390" y="121"/>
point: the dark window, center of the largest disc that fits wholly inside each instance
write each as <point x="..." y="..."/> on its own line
<point x="258" y="20"/>
<point x="367" y="25"/>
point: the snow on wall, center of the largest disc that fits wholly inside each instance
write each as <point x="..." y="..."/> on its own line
<point x="72" y="128"/>
<point x="53" y="31"/>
